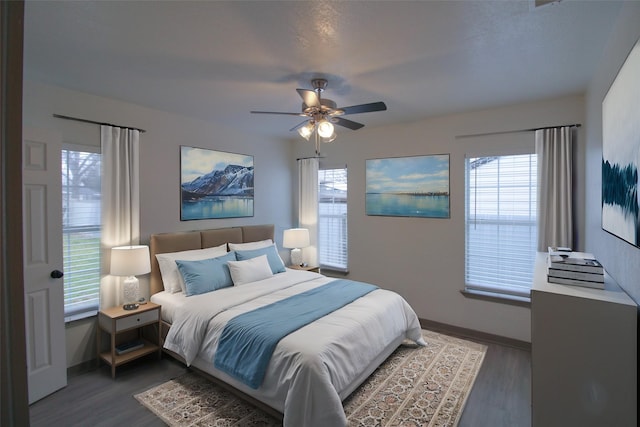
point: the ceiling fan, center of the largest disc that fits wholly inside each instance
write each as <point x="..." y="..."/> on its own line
<point x="322" y="114"/>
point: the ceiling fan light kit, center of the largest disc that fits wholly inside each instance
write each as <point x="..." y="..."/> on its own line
<point x="307" y="130"/>
<point x="325" y="128"/>
<point x="323" y="113"/>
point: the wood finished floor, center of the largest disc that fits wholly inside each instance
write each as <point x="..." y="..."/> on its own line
<point x="501" y="395"/>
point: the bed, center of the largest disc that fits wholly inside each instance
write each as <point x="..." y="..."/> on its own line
<point x="312" y="369"/>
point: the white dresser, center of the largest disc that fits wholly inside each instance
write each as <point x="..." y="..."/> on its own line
<point x="584" y="354"/>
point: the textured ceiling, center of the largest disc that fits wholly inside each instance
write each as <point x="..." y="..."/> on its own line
<point x="216" y="60"/>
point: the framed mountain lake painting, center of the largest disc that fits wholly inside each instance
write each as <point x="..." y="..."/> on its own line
<point x="415" y="186"/>
<point x="215" y="184"/>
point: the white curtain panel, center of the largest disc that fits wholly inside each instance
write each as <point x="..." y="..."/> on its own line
<point x="308" y="206"/>
<point x="555" y="215"/>
<point x="120" y="202"/>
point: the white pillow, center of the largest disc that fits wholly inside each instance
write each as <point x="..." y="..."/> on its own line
<point x="171" y="278"/>
<point x="250" y="245"/>
<point x="249" y="270"/>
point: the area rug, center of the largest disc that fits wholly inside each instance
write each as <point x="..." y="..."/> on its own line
<point x="415" y="386"/>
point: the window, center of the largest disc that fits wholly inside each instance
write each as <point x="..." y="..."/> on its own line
<point x="501" y="224"/>
<point x="332" y="219"/>
<point x="81" y="232"/>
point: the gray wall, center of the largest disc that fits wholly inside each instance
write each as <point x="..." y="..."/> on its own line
<point x="621" y="259"/>
<point x="422" y="258"/>
<point x="159" y="169"/>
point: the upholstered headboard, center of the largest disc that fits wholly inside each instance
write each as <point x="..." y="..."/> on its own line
<point x="188" y="240"/>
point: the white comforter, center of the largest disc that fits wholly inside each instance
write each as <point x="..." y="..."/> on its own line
<point x="314" y="368"/>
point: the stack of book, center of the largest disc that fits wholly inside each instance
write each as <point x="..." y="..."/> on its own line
<point x="129" y="346"/>
<point x="574" y="268"/>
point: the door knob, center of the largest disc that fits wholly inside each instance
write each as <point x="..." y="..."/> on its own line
<point x="56" y="274"/>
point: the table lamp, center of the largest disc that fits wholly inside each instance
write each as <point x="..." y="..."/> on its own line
<point x="130" y="261"/>
<point x="296" y="238"/>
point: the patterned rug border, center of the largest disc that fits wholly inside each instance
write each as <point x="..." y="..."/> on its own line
<point x="400" y="392"/>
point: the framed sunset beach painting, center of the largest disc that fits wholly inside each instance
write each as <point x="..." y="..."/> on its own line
<point x="416" y="186"/>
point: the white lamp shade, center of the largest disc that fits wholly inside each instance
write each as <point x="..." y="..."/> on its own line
<point x="130" y="260"/>
<point x="295" y="238"/>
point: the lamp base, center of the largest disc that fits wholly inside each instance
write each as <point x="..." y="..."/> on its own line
<point x="130" y="306"/>
<point x="296" y="256"/>
<point x="130" y="287"/>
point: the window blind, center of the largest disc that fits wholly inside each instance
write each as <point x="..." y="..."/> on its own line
<point x="501" y="224"/>
<point x="332" y="219"/>
<point x="81" y="219"/>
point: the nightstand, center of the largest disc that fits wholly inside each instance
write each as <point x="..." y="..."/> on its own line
<point x="116" y="320"/>
<point x="315" y="269"/>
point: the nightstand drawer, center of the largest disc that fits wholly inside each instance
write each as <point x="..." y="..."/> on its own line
<point x="136" y="320"/>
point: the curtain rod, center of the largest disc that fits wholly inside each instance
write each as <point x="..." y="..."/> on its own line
<point x="312" y="157"/>
<point x="577" y="125"/>
<point x="60" y="116"/>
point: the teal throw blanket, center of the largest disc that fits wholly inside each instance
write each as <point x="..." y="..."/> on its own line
<point x="249" y="339"/>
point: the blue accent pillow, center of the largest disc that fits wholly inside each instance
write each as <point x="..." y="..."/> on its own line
<point x="275" y="262"/>
<point x="206" y="275"/>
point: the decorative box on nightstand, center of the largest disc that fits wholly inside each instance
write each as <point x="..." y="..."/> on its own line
<point x="315" y="269"/>
<point x="115" y="321"/>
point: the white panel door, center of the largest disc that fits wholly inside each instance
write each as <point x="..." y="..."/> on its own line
<point x="43" y="285"/>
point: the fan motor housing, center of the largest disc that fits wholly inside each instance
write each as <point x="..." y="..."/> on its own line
<point x="327" y="105"/>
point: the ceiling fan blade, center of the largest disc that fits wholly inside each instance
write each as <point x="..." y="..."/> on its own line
<point x="296" y="127"/>
<point x="364" y="108"/>
<point x="276" y="112"/>
<point x="309" y="98"/>
<point x="347" y="123"/>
